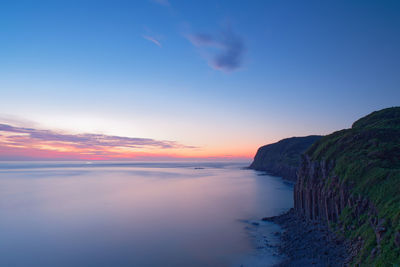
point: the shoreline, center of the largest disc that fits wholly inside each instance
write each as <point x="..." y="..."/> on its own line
<point x="308" y="243"/>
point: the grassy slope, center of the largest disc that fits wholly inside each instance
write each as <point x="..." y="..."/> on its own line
<point x="367" y="157"/>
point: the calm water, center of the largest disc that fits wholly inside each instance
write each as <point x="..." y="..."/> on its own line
<point x="142" y="214"/>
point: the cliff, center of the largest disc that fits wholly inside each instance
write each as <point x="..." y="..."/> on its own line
<point x="351" y="181"/>
<point x="283" y="158"/>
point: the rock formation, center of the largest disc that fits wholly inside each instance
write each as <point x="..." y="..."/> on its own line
<point x="351" y="181"/>
<point x="283" y="158"/>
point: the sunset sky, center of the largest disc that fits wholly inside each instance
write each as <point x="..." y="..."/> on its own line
<point x="165" y="79"/>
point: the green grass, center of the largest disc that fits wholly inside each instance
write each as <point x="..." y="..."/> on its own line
<point x="367" y="158"/>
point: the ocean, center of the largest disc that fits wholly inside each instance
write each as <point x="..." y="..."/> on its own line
<point x="138" y="214"/>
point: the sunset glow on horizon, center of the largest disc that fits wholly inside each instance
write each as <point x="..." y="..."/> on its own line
<point x="19" y="143"/>
<point x="160" y="80"/>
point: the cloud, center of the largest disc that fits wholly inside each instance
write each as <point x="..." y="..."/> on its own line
<point x="162" y="2"/>
<point x="87" y="140"/>
<point x="16" y="120"/>
<point x="153" y="40"/>
<point x="223" y="52"/>
<point x="87" y="143"/>
<point x="201" y="39"/>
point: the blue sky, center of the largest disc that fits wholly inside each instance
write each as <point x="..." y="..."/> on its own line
<point x="150" y="69"/>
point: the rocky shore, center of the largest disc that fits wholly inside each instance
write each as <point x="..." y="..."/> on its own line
<point x="348" y="180"/>
<point x="309" y="243"/>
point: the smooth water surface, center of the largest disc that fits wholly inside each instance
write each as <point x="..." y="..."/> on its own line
<point x="133" y="214"/>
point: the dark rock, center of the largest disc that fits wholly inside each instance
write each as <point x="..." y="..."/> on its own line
<point x="380" y="231"/>
<point x="374" y="251"/>
<point x="282" y="158"/>
<point x="304" y="243"/>
<point x="397" y="239"/>
<point x="320" y="195"/>
<point x="268" y="219"/>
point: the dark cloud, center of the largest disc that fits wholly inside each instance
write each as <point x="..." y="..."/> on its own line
<point x="30" y="135"/>
<point x="227" y="49"/>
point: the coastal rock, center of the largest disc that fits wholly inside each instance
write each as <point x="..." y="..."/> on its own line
<point x="349" y="180"/>
<point x="282" y="158"/>
<point x="309" y="244"/>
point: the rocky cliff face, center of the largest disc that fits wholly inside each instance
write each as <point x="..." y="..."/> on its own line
<point x="351" y="181"/>
<point x="313" y="197"/>
<point x="283" y="158"/>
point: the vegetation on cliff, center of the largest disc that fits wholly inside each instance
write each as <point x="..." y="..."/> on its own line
<point x="364" y="184"/>
<point x="283" y="158"/>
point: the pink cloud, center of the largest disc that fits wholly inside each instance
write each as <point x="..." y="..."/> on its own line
<point x="37" y="143"/>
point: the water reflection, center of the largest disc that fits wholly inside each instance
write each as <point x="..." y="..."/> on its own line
<point x="141" y="215"/>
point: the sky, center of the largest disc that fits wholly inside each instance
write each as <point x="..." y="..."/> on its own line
<point x="166" y="79"/>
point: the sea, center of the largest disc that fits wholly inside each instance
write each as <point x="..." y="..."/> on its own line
<point x="113" y="214"/>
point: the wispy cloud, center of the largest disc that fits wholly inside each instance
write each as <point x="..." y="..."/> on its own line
<point x="16" y="121"/>
<point x="82" y="144"/>
<point x="152" y="39"/>
<point x="162" y="2"/>
<point x="226" y="49"/>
